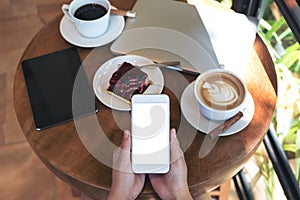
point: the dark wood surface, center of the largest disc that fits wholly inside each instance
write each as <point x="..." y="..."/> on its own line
<point x="62" y="151"/>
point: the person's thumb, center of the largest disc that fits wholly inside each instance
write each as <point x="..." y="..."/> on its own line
<point x="122" y="154"/>
<point x="176" y="151"/>
<point x="126" y="141"/>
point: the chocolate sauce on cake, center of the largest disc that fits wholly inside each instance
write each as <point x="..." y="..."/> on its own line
<point x="128" y="80"/>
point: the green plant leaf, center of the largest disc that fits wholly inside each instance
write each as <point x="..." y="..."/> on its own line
<point x="288" y="59"/>
<point x="289" y="147"/>
<point x="285" y="33"/>
<point x="275" y="27"/>
<point x="291" y="136"/>
<point x="298" y="157"/>
<point x="263" y="24"/>
<point x="278" y="35"/>
<point x="293" y="47"/>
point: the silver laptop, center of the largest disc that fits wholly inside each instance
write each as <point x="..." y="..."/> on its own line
<point x="167" y="30"/>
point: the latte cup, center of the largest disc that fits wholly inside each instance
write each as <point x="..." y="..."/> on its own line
<point x="90" y="17"/>
<point x="220" y="94"/>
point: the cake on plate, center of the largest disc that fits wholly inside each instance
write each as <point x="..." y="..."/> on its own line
<point x="127" y="81"/>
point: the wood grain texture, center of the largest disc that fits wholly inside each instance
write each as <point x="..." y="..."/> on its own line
<point x="3" y="100"/>
<point x="62" y="151"/>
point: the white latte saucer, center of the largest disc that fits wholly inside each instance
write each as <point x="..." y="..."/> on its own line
<point x="71" y="35"/>
<point x="192" y="114"/>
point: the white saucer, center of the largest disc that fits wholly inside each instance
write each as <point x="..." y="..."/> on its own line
<point x="71" y="35"/>
<point x="104" y="73"/>
<point x="192" y="114"/>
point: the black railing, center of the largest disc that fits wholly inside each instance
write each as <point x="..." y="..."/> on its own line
<point x="290" y="10"/>
<point x="291" y="14"/>
<point x="242" y="186"/>
<point x="281" y="166"/>
<point x="253" y="8"/>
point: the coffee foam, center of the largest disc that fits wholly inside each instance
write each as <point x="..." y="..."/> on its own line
<point x="221" y="91"/>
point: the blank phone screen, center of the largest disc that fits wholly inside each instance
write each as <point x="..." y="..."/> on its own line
<point x="150" y="133"/>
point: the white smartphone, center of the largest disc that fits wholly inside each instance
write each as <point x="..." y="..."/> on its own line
<point x="150" y="127"/>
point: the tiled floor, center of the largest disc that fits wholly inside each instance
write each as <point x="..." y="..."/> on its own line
<point x="22" y="175"/>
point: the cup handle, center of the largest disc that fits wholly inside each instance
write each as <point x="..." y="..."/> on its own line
<point x="221" y="66"/>
<point x="65" y="9"/>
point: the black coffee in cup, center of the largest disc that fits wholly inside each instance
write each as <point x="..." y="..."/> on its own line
<point x="90" y="12"/>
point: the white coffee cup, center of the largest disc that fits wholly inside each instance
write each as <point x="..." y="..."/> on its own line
<point x="220" y="94"/>
<point x="88" y="27"/>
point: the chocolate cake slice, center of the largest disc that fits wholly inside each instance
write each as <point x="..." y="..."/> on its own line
<point x="127" y="81"/>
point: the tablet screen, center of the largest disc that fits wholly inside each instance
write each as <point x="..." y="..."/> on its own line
<point x="58" y="88"/>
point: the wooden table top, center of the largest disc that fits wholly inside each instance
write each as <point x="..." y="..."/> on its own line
<point x="63" y="152"/>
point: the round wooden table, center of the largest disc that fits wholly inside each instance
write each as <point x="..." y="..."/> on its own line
<point x="62" y="151"/>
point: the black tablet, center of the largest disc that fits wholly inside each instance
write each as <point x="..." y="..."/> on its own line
<point x="58" y="88"/>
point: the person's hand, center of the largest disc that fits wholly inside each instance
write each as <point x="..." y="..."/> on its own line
<point x="173" y="185"/>
<point x="125" y="184"/>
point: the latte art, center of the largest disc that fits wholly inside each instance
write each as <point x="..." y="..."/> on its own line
<point x="220" y="93"/>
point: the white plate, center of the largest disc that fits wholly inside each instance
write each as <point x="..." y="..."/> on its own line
<point x="192" y="114"/>
<point x="71" y="35"/>
<point x="104" y="73"/>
